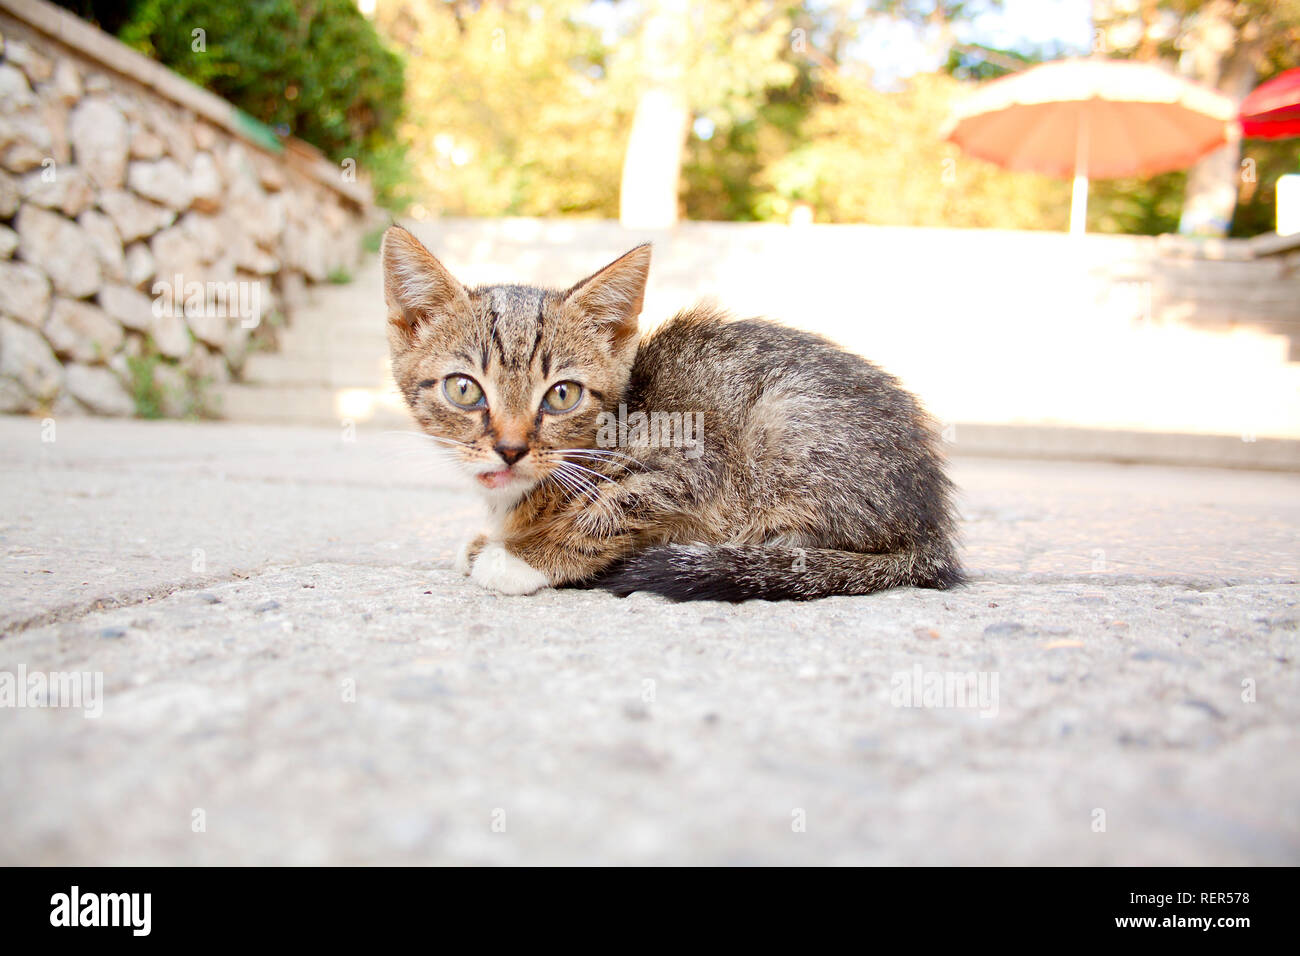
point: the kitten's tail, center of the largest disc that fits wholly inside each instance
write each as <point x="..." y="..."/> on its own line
<point x="699" y="572"/>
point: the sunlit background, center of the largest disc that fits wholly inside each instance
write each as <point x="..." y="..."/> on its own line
<point x="533" y="140"/>
<point x="827" y="108"/>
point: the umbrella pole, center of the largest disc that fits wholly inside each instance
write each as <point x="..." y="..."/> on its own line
<point x="1079" y="198"/>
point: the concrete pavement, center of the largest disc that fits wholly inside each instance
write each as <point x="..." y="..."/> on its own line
<point x="292" y="673"/>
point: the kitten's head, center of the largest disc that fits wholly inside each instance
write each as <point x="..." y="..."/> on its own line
<point x="506" y="376"/>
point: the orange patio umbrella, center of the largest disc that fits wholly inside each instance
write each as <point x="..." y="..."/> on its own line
<point x="1092" y="118"/>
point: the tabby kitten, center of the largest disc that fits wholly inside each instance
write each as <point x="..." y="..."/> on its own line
<point x="808" y="471"/>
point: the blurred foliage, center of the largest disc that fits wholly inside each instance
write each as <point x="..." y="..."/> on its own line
<point x="733" y="51"/>
<point x="1215" y="42"/>
<point x="1257" y="200"/>
<point x="740" y="133"/>
<point x="109" y="15"/>
<point x="146" y="393"/>
<point x="1145" y="207"/>
<point x="722" y="174"/>
<point x="1152" y="206"/>
<point x="506" y="113"/>
<point x="523" y="107"/>
<point x="876" y="157"/>
<point x="1264" y="32"/>
<point x="976" y="62"/>
<point x="315" y="69"/>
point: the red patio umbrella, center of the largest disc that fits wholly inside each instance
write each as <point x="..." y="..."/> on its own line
<point x="1272" y="110"/>
<point x="1094" y="118"/>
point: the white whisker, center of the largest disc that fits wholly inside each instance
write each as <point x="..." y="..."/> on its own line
<point x="574" y="464"/>
<point x="604" y="457"/>
<point x="427" y="437"/>
<point x="566" y="482"/>
<point x="604" y="452"/>
<point x="585" y="485"/>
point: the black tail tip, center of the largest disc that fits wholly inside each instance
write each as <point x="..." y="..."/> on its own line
<point x="950" y="576"/>
<point x="677" y="573"/>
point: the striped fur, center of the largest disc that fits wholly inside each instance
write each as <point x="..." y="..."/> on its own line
<point x="815" y="472"/>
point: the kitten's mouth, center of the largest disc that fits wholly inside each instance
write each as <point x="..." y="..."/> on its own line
<point x="495" y="479"/>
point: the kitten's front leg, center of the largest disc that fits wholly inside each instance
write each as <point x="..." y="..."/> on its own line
<point x="575" y="540"/>
<point x="498" y="570"/>
<point x="554" y="540"/>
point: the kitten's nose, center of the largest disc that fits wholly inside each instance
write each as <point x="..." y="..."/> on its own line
<point x="510" y="452"/>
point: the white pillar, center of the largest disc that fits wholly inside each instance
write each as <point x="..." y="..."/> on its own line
<point x="1079" y="199"/>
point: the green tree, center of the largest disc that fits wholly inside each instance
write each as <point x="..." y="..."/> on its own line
<point x="1231" y="45"/>
<point x="315" y="69"/>
<point x="877" y="157"/>
<point x="713" y="60"/>
<point x="509" y="108"/>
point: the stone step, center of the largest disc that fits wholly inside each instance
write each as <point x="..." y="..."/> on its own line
<point x="312" y="404"/>
<point x="331" y="365"/>
<point x="332" y="339"/>
<point x="298" y="368"/>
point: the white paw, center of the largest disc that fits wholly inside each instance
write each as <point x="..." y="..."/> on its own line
<point x="498" y="570"/>
<point x="462" y="558"/>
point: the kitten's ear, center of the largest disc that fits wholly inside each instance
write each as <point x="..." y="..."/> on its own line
<point x="612" y="298"/>
<point x="417" y="287"/>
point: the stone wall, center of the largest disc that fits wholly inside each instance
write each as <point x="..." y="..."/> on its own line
<point x="146" y="246"/>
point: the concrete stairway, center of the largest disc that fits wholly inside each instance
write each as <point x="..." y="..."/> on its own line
<point x="332" y="366"/>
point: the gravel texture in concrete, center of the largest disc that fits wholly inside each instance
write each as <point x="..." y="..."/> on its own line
<point x="286" y="669"/>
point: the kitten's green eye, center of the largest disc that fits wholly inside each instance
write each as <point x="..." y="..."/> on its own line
<point x="562" y="397"/>
<point x="462" y="391"/>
